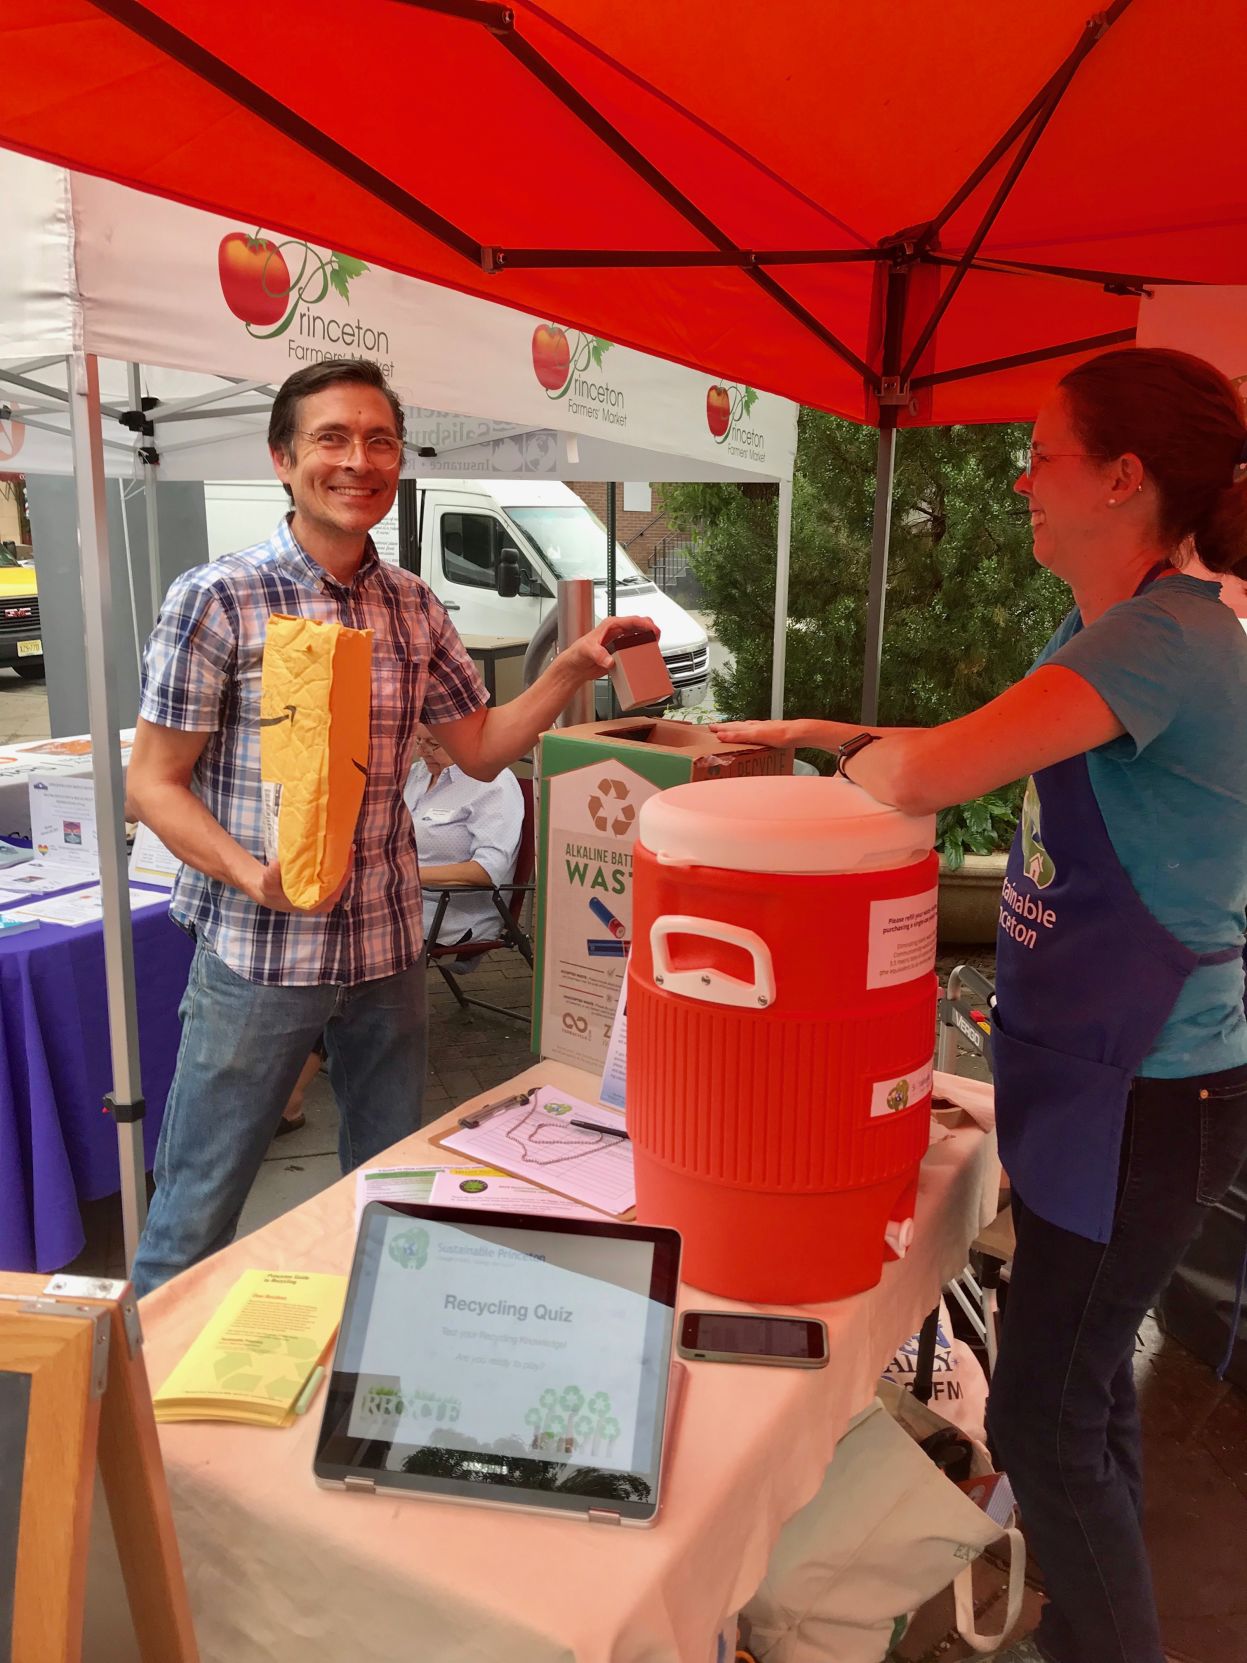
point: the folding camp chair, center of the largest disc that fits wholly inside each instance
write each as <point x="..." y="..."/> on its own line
<point x="965" y="1016"/>
<point x="508" y="899"/>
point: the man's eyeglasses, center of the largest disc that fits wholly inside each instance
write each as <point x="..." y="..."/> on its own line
<point x="1035" y="457"/>
<point x="383" y="450"/>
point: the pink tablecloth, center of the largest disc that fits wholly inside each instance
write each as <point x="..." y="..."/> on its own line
<point x="282" y="1572"/>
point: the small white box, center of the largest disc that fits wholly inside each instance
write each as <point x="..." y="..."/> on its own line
<point x="639" y="673"/>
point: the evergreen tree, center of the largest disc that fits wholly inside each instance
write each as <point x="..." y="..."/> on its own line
<point x="967" y="607"/>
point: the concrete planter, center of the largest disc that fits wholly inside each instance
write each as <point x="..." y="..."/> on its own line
<point x="970" y="901"/>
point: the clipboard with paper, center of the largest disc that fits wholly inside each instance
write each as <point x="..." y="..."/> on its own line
<point x="537" y="1139"/>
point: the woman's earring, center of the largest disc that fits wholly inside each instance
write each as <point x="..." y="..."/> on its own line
<point x="1112" y="502"/>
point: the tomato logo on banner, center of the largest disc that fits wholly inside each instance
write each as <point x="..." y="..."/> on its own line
<point x="259" y="289"/>
<point x="725" y="407"/>
<point x="565" y="364"/>
<point x="275" y="288"/>
<point x="552" y="358"/>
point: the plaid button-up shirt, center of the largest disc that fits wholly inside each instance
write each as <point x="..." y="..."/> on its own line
<point x="201" y="672"/>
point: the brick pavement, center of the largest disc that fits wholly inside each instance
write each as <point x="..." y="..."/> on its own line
<point x="472" y="1051"/>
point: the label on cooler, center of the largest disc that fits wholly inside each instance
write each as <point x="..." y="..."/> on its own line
<point x="899" y="1091"/>
<point x="902" y="939"/>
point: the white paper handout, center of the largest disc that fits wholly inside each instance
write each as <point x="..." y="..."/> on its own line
<point x="62" y="820"/>
<point x="84" y="906"/>
<point x="150" y="861"/>
<point x="499" y="1192"/>
<point x="398" y="1183"/>
<point x="40" y="877"/>
<point x="537" y="1141"/>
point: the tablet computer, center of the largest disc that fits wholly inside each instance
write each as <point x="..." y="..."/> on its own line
<point x="504" y="1359"/>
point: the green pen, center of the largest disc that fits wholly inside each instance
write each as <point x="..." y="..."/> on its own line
<point x="304" y="1400"/>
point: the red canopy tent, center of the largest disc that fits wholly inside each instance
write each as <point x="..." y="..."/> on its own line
<point x="911" y="213"/>
<point x="915" y="213"/>
<point x="714" y="182"/>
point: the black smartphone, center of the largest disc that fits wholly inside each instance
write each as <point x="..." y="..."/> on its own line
<point x="747" y="1337"/>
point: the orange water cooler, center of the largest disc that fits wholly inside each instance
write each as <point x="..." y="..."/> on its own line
<point x="781" y="1025"/>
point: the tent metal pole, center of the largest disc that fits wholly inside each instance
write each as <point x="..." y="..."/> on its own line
<point x="612" y="591"/>
<point x="783" y="552"/>
<point x="200" y="401"/>
<point x="134" y="374"/>
<point x="58" y="432"/>
<point x="268" y="108"/>
<point x="586" y="112"/>
<point x="1066" y="349"/>
<point x="612" y="586"/>
<point x="881" y="536"/>
<point x="151" y="504"/>
<point x="27" y="385"/>
<point x="125" y="1101"/>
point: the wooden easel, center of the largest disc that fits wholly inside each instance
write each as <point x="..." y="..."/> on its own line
<point x="74" y="1390"/>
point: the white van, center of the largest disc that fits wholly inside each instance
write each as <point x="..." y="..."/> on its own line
<point x="463" y="527"/>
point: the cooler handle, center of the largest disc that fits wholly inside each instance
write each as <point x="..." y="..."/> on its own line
<point x="712" y="986"/>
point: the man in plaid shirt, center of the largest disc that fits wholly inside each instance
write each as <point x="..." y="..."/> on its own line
<point x="267" y="980"/>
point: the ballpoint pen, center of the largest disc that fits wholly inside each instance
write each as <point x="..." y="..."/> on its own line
<point x="594" y="1126"/>
<point x="476" y="1116"/>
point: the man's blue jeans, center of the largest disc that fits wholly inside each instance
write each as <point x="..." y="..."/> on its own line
<point x="1062" y="1415"/>
<point x="243" y="1045"/>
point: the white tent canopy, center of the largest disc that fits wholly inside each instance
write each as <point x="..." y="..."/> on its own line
<point x="90" y="266"/>
<point x="109" y="297"/>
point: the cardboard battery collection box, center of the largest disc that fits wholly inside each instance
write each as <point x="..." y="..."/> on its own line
<point x="592" y="782"/>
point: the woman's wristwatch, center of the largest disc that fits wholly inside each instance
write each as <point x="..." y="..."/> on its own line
<point x="846" y="752"/>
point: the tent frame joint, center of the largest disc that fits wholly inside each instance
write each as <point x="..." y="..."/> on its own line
<point x="138" y="421"/>
<point x="125" y="1114"/>
<point x="894" y="393"/>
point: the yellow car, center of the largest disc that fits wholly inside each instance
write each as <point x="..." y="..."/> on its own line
<point x="20" y="645"/>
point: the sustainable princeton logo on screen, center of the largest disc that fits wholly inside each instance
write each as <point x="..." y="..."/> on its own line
<point x="410" y="1248"/>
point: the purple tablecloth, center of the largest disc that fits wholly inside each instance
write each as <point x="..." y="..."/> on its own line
<point x="57" y="1146"/>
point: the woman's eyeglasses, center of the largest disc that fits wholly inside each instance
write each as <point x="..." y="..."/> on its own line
<point x="1035" y="457"/>
<point x="383" y="450"/>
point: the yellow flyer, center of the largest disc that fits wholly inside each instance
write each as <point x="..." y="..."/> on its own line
<point x="256" y="1355"/>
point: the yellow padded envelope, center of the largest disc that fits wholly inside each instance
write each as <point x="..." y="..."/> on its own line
<point x="315" y="703"/>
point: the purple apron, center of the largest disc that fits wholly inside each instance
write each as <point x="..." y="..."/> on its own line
<point x="1085" y="980"/>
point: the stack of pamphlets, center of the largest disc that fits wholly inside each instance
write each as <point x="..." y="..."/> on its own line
<point x="261" y="1357"/>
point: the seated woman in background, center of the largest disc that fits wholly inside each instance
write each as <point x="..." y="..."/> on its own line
<point x="467" y="832"/>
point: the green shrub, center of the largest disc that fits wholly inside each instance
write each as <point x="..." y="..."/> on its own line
<point x="983" y="826"/>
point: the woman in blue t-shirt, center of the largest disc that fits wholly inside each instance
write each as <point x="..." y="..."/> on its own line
<point x="1120" y="1043"/>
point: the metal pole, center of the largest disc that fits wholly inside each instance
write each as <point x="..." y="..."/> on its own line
<point x="125" y="1101"/>
<point x="612" y="595"/>
<point x="783" y="551"/>
<point x="575" y="618"/>
<point x="612" y="591"/>
<point x="885" y="468"/>
<point x="135" y="377"/>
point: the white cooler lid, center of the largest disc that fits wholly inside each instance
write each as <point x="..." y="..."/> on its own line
<point x="781" y="823"/>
